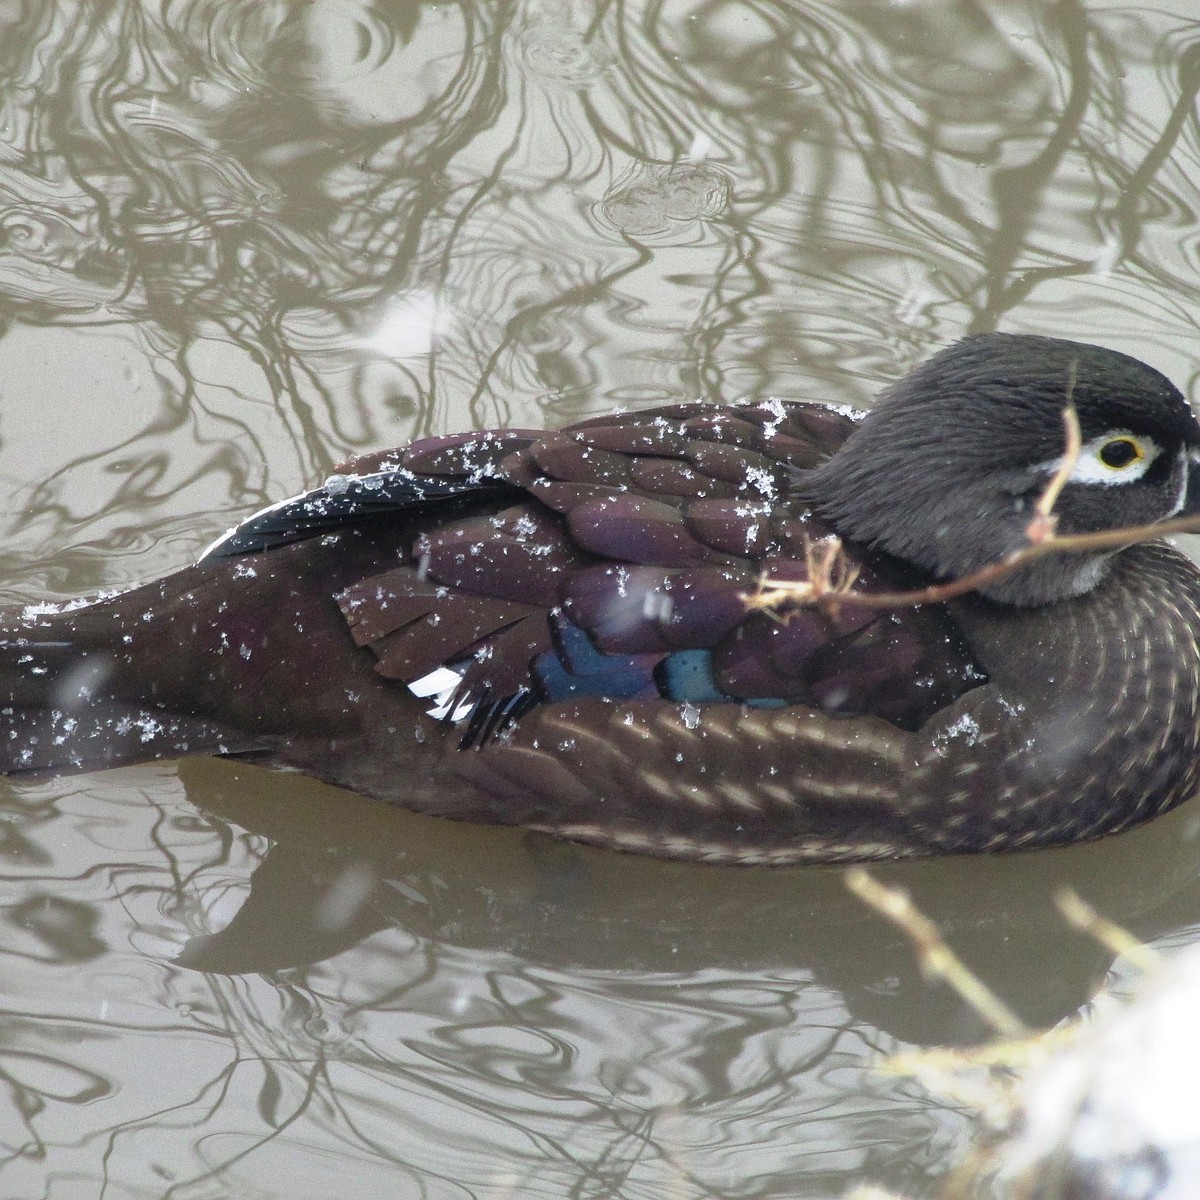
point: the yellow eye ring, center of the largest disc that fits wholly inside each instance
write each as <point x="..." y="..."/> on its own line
<point x="1120" y="453"/>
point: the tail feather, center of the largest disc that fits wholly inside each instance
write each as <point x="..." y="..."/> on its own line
<point x="48" y="741"/>
<point x="57" y="715"/>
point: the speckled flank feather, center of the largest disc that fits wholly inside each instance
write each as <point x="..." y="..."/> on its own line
<point x="1043" y="763"/>
<point x="550" y="630"/>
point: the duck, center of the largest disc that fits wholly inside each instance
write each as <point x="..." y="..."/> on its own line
<point x="564" y="630"/>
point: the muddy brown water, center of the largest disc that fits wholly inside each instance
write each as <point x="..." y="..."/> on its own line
<point x="243" y="239"/>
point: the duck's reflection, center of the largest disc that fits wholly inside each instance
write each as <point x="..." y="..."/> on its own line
<point x="341" y="869"/>
<point x="426" y="996"/>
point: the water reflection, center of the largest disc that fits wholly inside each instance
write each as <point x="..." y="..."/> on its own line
<point x="297" y="981"/>
<point x="241" y="240"/>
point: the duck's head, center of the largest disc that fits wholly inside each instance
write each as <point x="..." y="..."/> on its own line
<point x="946" y="469"/>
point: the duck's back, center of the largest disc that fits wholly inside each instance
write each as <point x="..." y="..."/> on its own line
<point x="618" y="564"/>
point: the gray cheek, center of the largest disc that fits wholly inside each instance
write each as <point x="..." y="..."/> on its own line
<point x="1179" y="483"/>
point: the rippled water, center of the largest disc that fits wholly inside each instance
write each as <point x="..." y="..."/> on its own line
<point x="243" y="239"/>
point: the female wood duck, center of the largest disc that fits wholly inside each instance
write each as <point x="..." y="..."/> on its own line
<point x="550" y="629"/>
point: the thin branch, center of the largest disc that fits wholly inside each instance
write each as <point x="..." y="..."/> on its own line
<point x="1045" y="521"/>
<point x="936" y="959"/>
<point x="772" y="595"/>
<point x="1079" y="913"/>
<point x="832" y="576"/>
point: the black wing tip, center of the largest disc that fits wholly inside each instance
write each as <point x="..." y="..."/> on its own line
<point x="341" y="501"/>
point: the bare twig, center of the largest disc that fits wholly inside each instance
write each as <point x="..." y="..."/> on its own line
<point x="832" y="575"/>
<point x="936" y="959"/>
<point x="1079" y="913"/>
<point x="1045" y="522"/>
<point x="1071" y="543"/>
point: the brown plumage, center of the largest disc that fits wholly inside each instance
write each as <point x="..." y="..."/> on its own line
<point x="550" y="629"/>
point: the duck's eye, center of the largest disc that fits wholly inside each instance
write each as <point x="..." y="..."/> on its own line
<point x="1120" y="453"/>
<point x="1115" y="457"/>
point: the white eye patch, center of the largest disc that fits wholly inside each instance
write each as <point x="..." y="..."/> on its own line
<point x="1117" y="456"/>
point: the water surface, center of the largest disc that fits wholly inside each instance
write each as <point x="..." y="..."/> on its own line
<point x="241" y="240"/>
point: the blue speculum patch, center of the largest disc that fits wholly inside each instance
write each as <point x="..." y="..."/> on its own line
<point x="576" y="668"/>
<point x="687" y="676"/>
